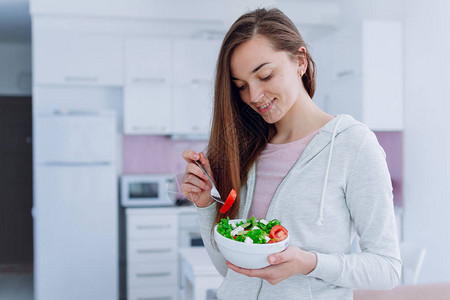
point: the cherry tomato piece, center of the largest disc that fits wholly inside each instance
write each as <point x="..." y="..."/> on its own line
<point x="229" y="202"/>
<point x="278" y="232"/>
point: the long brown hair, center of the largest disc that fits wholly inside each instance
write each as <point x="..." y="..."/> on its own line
<point x="238" y="133"/>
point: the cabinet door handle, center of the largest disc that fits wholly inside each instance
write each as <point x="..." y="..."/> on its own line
<point x="200" y="81"/>
<point x="81" y="79"/>
<point x="345" y="73"/>
<point x="144" y="127"/>
<point x="148" y="80"/>
<point x="152" y="227"/>
<point x="156" y="274"/>
<point x="151" y="251"/>
<point x="155" y="298"/>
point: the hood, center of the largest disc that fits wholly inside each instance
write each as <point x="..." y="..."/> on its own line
<point x="326" y="136"/>
<point x="325" y="182"/>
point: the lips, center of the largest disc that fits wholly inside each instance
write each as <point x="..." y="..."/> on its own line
<point x="266" y="107"/>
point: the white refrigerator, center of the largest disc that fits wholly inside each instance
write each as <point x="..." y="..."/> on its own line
<point x="75" y="206"/>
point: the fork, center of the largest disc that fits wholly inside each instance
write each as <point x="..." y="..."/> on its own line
<point x="214" y="192"/>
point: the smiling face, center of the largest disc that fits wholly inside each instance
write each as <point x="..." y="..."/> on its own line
<point x="268" y="80"/>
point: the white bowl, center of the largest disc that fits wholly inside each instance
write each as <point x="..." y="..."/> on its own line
<point x="249" y="256"/>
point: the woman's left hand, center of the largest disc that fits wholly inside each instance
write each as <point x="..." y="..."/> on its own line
<point x="283" y="265"/>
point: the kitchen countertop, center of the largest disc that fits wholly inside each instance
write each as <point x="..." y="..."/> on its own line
<point x="162" y="210"/>
<point x="198" y="259"/>
<point x="199" y="277"/>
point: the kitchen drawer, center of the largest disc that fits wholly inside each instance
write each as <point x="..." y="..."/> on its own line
<point x="152" y="250"/>
<point x="143" y="275"/>
<point x="149" y="227"/>
<point x="159" y="292"/>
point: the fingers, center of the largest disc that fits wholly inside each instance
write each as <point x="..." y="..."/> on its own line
<point x="190" y="156"/>
<point x="247" y="272"/>
<point x="187" y="188"/>
<point x="261" y="273"/>
<point x="195" y="185"/>
<point x="281" y="257"/>
<point x="205" y="163"/>
<point x="276" y="259"/>
<point x="193" y="169"/>
<point x="193" y="179"/>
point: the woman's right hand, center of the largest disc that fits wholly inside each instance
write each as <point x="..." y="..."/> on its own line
<point x="195" y="184"/>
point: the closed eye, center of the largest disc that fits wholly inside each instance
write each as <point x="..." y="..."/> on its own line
<point x="242" y="87"/>
<point x="267" y="78"/>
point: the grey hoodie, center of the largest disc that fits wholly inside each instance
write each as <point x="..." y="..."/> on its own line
<point x="339" y="185"/>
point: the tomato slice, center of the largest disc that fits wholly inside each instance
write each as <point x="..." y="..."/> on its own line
<point x="278" y="232"/>
<point x="229" y="202"/>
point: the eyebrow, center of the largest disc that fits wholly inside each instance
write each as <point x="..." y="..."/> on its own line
<point x="254" y="70"/>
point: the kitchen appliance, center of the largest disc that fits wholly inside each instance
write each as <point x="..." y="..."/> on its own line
<point x="189" y="230"/>
<point x="150" y="190"/>
<point x="75" y="207"/>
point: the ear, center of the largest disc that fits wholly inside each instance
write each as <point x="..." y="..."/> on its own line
<point x="302" y="62"/>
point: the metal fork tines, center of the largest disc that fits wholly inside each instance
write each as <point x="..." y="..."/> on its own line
<point x="214" y="192"/>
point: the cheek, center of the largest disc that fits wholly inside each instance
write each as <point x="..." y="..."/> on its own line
<point x="244" y="97"/>
<point x="290" y="84"/>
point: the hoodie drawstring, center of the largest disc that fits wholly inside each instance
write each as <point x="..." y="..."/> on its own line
<point x="325" y="182"/>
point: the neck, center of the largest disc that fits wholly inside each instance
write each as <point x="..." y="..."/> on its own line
<point x="302" y="119"/>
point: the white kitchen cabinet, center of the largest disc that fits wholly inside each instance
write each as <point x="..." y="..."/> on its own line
<point x="77" y="59"/>
<point x="367" y="74"/>
<point x="148" y="60"/>
<point x="152" y="258"/>
<point x="148" y="86"/>
<point x="154" y="292"/>
<point x="194" y="71"/>
<point x="147" y="109"/>
<point x="192" y="109"/>
<point x="154" y="236"/>
<point x="195" y="60"/>
<point x="198" y="10"/>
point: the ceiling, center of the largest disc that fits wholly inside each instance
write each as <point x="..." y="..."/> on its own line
<point x="15" y="19"/>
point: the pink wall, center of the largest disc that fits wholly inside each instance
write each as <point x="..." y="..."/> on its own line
<point x="392" y="143"/>
<point x="161" y="154"/>
<point x="156" y="154"/>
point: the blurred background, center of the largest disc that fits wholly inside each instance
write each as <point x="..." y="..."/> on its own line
<point x="98" y="99"/>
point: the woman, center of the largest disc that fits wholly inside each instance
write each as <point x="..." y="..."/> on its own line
<point x="322" y="176"/>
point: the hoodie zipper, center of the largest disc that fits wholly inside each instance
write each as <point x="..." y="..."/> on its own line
<point x="260" y="286"/>
<point x="247" y="210"/>
<point x="272" y="200"/>
<point x="277" y="190"/>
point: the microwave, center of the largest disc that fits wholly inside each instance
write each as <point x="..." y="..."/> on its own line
<point x="148" y="190"/>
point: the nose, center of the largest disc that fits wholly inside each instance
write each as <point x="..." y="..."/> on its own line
<point x="255" y="93"/>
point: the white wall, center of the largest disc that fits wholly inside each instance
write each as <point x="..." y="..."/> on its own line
<point x="427" y="140"/>
<point x="426" y="117"/>
<point x="15" y="69"/>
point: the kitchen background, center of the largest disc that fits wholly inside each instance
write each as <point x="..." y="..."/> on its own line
<point x="92" y="92"/>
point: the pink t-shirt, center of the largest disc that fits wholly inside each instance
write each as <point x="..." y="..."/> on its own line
<point x="273" y="164"/>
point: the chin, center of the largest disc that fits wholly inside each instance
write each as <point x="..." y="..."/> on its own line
<point x="271" y="119"/>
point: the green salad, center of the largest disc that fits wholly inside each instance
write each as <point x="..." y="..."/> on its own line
<point x="253" y="231"/>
